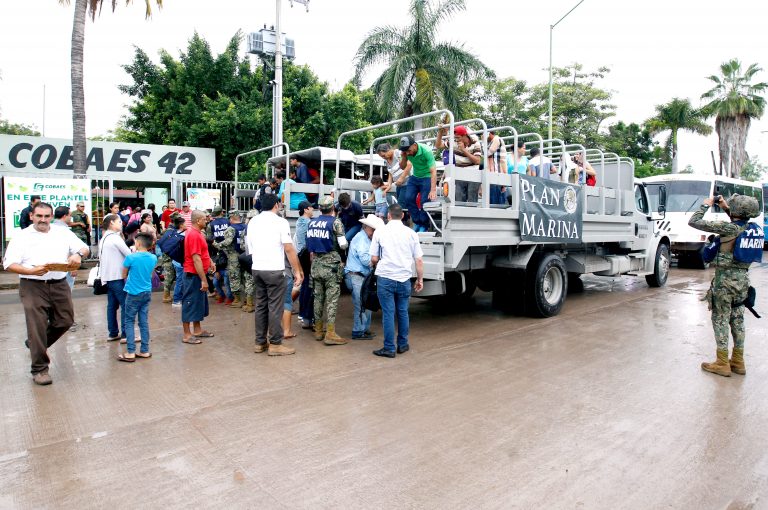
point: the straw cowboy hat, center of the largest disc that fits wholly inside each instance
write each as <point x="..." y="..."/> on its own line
<point x="372" y="221"/>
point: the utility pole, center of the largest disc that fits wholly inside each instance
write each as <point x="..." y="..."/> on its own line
<point x="551" y="29"/>
<point x="277" y="93"/>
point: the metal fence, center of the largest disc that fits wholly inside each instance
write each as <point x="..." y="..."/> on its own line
<point x="232" y="195"/>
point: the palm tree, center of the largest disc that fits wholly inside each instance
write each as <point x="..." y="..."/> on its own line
<point x="422" y="73"/>
<point x="673" y="116"/>
<point x="82" y="7"/>
<point x="734" y="101"/>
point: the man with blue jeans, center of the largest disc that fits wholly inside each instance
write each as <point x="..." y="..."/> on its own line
<point x="357" y="268"/>
<point x="423" y="180"/>
<point x="394" y="249"/>
<point x="137" y="269"/>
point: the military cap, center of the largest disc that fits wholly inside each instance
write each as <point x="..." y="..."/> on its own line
<point x="325" y="204"/>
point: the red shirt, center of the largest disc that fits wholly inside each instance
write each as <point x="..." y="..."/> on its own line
<point x="166" y="218"/>
<point x="195" y="243"/>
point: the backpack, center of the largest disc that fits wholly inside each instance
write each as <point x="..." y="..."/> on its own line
<point x="172" y="244"/>
<point x="369" y="297"/>
<point x="221" y="260"/>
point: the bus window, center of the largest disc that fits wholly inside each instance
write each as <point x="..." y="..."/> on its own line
<point x="765" y="202"/>
<point x="682" y="196"/>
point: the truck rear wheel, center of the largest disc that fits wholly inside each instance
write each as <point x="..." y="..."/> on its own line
<point x="660" y="267"/>
<point x="546" y="287"/>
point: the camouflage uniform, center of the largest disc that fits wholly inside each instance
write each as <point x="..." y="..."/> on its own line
<point x="327" y="273"/>
<point x="233" y="265"/>
<point x="727" y="292"/>
<point x="170" y="273"/>
<point x="80" y="232"/>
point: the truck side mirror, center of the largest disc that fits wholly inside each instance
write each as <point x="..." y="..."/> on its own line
<point x="662" y="199"/>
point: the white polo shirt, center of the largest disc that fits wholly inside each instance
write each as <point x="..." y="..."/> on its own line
<point x="31" y="248"/>
<point x="399" y="248"/>
<point x="266" y="235"/>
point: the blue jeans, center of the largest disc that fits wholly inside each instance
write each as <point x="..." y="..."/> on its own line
<point x="352" y="232"/>
<point x="115" y="300"/>
<point x="221" y="284"/>
<point x="137" y="304"/>
<point x="178" y="287"/>
<point x="361" y="320"/>
<point x="394" y="296"/>
<point x="415" y="186"/>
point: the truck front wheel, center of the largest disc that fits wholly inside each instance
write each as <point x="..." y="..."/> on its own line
<point x="547" y="286"/>
<point x="660" y="267"/>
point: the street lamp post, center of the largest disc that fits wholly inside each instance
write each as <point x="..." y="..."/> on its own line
<point x="551" y="28"/>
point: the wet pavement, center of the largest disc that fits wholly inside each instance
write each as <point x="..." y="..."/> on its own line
<point x="604" y="406"/>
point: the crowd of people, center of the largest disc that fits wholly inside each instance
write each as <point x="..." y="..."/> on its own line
<point x="252" y="263"/>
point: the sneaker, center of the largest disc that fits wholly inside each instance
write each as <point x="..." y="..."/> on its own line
<point x="42" y="378"/>
<point x="176" y="304"/>
<point x="384" y="353"/>
<point x="229" y="301"/>
<point x="113" y="338"/>
<point x="260" y="348"/>
<point x="280" y="350"/>
<point x="401" y="350"/>
<point x="364" y="336"/>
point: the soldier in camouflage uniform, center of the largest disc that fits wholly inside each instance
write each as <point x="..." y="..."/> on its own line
<point x="729" y="287"/>
<point x="78" y="223"/>
<point x="325" y="242"/>
<point x="169" y="271"/>
<point x="232" y="246"/>
<point x="247" y="274"/>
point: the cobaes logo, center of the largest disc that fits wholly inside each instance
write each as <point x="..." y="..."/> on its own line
<point x="40" y="186"/>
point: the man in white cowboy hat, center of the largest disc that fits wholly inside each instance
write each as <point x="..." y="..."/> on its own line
<point x="357" y="268"/>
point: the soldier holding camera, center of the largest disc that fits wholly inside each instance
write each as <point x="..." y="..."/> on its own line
<point x="730" y="285"/>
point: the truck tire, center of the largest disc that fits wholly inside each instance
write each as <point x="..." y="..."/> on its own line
<point x="660" y="267"/>
<point x="546" y="287"/>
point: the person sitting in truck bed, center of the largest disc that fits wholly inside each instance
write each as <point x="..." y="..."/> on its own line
<point x="541" y="166"/>
<point x="467" y="153"/>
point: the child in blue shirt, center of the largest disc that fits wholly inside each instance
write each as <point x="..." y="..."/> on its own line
<point x="137" y="269"/>
<point x="379" y="197"/>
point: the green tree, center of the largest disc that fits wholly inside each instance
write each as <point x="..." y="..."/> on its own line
<point x="753" y="170"/>
<point x="222" y="102"/>
<point x="630" y="140"/>
<point x="579" y="105"/>
<point x="734" y="101"/>
<point x="82" y="8"/>
<point x="421" y="73"/>
<point x="673" y="116"/>
<point x="8" y="128"/>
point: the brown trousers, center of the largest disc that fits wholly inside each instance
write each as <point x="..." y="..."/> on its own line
<point x="49" y="314"/>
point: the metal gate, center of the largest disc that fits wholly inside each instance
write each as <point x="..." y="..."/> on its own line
<point x="233" y="195"/>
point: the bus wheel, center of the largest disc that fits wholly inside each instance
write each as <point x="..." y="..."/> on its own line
<point x="660" y="267"/>
<point x="546" y="287"/>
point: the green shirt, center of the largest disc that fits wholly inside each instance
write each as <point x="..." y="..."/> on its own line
<point x="422" y="162"/>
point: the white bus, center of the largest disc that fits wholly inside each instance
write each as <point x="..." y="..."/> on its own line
<point x="685" y="193"/>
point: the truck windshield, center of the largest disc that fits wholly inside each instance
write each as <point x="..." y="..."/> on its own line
<point x="682" y="196"/>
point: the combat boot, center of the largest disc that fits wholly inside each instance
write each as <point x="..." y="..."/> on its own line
<point x="721" y="366"/>
<point x="248" y="306"/>
<point x="737" y="361"/>
<point x="319" y="332"/>
<point x="167" y="296"/>
<point x="331" y="338"/>
<point x="236" y="303"/>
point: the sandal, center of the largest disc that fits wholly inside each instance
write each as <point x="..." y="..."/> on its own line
<point x="144" y="355"/>
<point x="291" y="335"/>
<point x="203" y="334"/>
<point x="124" y="357"/>
<point x="192" y="340"/>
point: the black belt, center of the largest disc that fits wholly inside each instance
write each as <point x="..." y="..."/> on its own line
<point x="190" y="274"/>
<point x="49" y="282"/>
<point x="356" y="272"/>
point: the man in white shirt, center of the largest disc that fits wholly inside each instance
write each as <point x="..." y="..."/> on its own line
<point x="394" y="250"/>
<point x="269" y="243"/>
<point x="41" y="255"/>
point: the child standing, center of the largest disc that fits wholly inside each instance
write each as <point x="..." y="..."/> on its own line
<point x="137" y="269"/>
<point x="379" y="196"/>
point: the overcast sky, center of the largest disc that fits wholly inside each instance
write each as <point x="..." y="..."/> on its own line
<point x="656" y="49"/>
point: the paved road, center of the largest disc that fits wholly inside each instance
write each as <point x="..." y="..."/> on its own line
<point x="603" y="406"/>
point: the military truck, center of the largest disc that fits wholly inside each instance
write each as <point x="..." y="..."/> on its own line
<point x="530" y="250"/>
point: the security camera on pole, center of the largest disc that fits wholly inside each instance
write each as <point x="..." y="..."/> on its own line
<point x="266" y="43"/>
